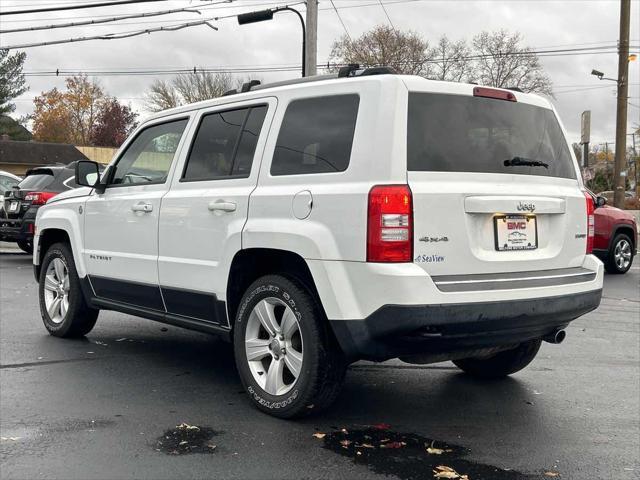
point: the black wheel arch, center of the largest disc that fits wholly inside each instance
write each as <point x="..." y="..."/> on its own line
<point x="47" y="238"/>
<point x="250" y="264"/>
<point x="626" y="229"/>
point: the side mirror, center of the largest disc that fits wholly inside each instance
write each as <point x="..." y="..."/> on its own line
<point x="600" y="202"/>
<point x="87" y="173"/>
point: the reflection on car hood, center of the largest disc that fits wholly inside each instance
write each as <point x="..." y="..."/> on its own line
<point x="76" y="192"/>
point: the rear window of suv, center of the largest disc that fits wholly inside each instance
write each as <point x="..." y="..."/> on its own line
<point x="37" y="180"/>
<point x="456" y="133"/>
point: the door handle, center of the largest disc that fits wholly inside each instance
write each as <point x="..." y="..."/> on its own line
<point x="142" y="207"/>
<point x="222" y="206"/>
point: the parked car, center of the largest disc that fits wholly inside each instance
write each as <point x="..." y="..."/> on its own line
<point x="616" y="236"/>
<point x="23" y="201"/>
<point x="326" y="220"/>
<point x="7" y="181"/>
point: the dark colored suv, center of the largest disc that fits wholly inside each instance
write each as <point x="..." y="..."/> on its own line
<point x="22" y="202"/>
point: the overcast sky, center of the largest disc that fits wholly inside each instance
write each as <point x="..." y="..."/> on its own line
<point x="555" y="24"/>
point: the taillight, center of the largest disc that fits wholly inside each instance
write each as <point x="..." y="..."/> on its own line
<point x="591" y="222"/>
<point x="39" y="198"/>
<point x="390" y="224"/>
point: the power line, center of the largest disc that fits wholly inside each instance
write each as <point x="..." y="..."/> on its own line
<point x="112" y="19"/>
<point x="387" y="14"/>
<point x="340" y="18"/>
<point x="77" y="7"/>
<point x="116" y="36"/>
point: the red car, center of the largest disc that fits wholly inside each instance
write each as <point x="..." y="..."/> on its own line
<point x="616" y="237"/>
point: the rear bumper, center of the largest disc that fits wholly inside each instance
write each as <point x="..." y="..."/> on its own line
<point x="404" y="330"/>
<point x="16" y="230"/>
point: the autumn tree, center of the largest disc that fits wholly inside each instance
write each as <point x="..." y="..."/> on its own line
<point x="84" y="99"/>
<point x="12" y="82"/>
<point x="68" y="116"/>
<point x="113" y="124"/>
<point x="451" y="61"/>
<point x="51" y="118"/>
<point x="187" y="88"/>
<point x="406" y="51"/>
<point x="502" y="61"/>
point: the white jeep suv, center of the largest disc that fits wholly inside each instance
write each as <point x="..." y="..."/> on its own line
<point x="321" y="221"/>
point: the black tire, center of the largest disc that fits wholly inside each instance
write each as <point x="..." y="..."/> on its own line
<point x="323" y="366"/>
<point x="501" y="364"/>
<point x="25" y="246"/>
<point x="79" y="318"/>
<point x="611" y="266"/>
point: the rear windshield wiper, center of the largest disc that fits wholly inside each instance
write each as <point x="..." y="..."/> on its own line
<point x="524" y="162"/>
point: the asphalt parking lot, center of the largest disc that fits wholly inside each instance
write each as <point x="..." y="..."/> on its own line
<point x="96" y="408"/>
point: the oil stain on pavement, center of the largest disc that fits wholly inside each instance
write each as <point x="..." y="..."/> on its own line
<point x="409" y="456"/>
<point x="185" y="438"/>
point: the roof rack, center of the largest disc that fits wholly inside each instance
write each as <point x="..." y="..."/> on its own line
<point x="352" y="70"/>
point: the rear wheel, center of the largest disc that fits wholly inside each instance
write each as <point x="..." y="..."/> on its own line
<point x="25" y="246"/>
<point x="287" y="360"/>
<point x="620" y="255"/>
<point x="501" y="364"/>
<point x="63" y="308"/>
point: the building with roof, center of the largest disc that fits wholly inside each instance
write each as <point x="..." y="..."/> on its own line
<point x="18" y="157"/>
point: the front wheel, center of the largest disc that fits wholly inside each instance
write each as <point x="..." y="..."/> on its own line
<point x="620" y="255"/>
<point x="501" y="364"/>
<point x="64" y="311"/>
<point x="285" y="355"/>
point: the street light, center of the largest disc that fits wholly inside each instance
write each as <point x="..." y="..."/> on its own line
<point x="264" y="15"/>
<point x="601" y="76"/>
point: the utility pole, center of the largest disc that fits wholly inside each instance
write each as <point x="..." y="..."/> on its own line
<point x="620" y="171"/>
<point x="312" y="37"/>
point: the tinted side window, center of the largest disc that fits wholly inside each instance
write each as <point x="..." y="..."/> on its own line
<point x="248" y="140"/>
<point x="316" y="136"/>
<point x="149" y="157"/>
<point x="214" y="146"/>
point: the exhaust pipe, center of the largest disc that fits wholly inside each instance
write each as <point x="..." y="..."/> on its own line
<point x="556" y="337"/>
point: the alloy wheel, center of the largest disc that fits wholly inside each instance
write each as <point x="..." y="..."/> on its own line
<point x="56" y="290"/>
<point x="622" y="254"/>
<point x="273" y="345"/>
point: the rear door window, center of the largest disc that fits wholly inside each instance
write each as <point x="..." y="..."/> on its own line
<point x="457" y="133"/>
<point x="316" y="136"/>
<point x="225" y="144"/>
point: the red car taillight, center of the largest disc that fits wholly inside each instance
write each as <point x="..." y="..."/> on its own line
<point x="390" y="224"/>
<point x="591" y="222"/>
<point x="39" y="198"/>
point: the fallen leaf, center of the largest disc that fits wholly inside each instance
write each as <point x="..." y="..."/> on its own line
<point x="393" y="445"/>
<point x="366" y="445"/>
<point x="211" y="446"/>
<point x="345" y="443"/>
<point x="381" y="426"/>
<point x="319" y="435"/>
<point x="442" y="471"/>
<point x="551" y="474"/>
<point x="183" y="442"/>
<point x="358" y="453"/>
<point x="435" y="451"/>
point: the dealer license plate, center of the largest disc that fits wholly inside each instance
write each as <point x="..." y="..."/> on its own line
<point x="516" y="232"/>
